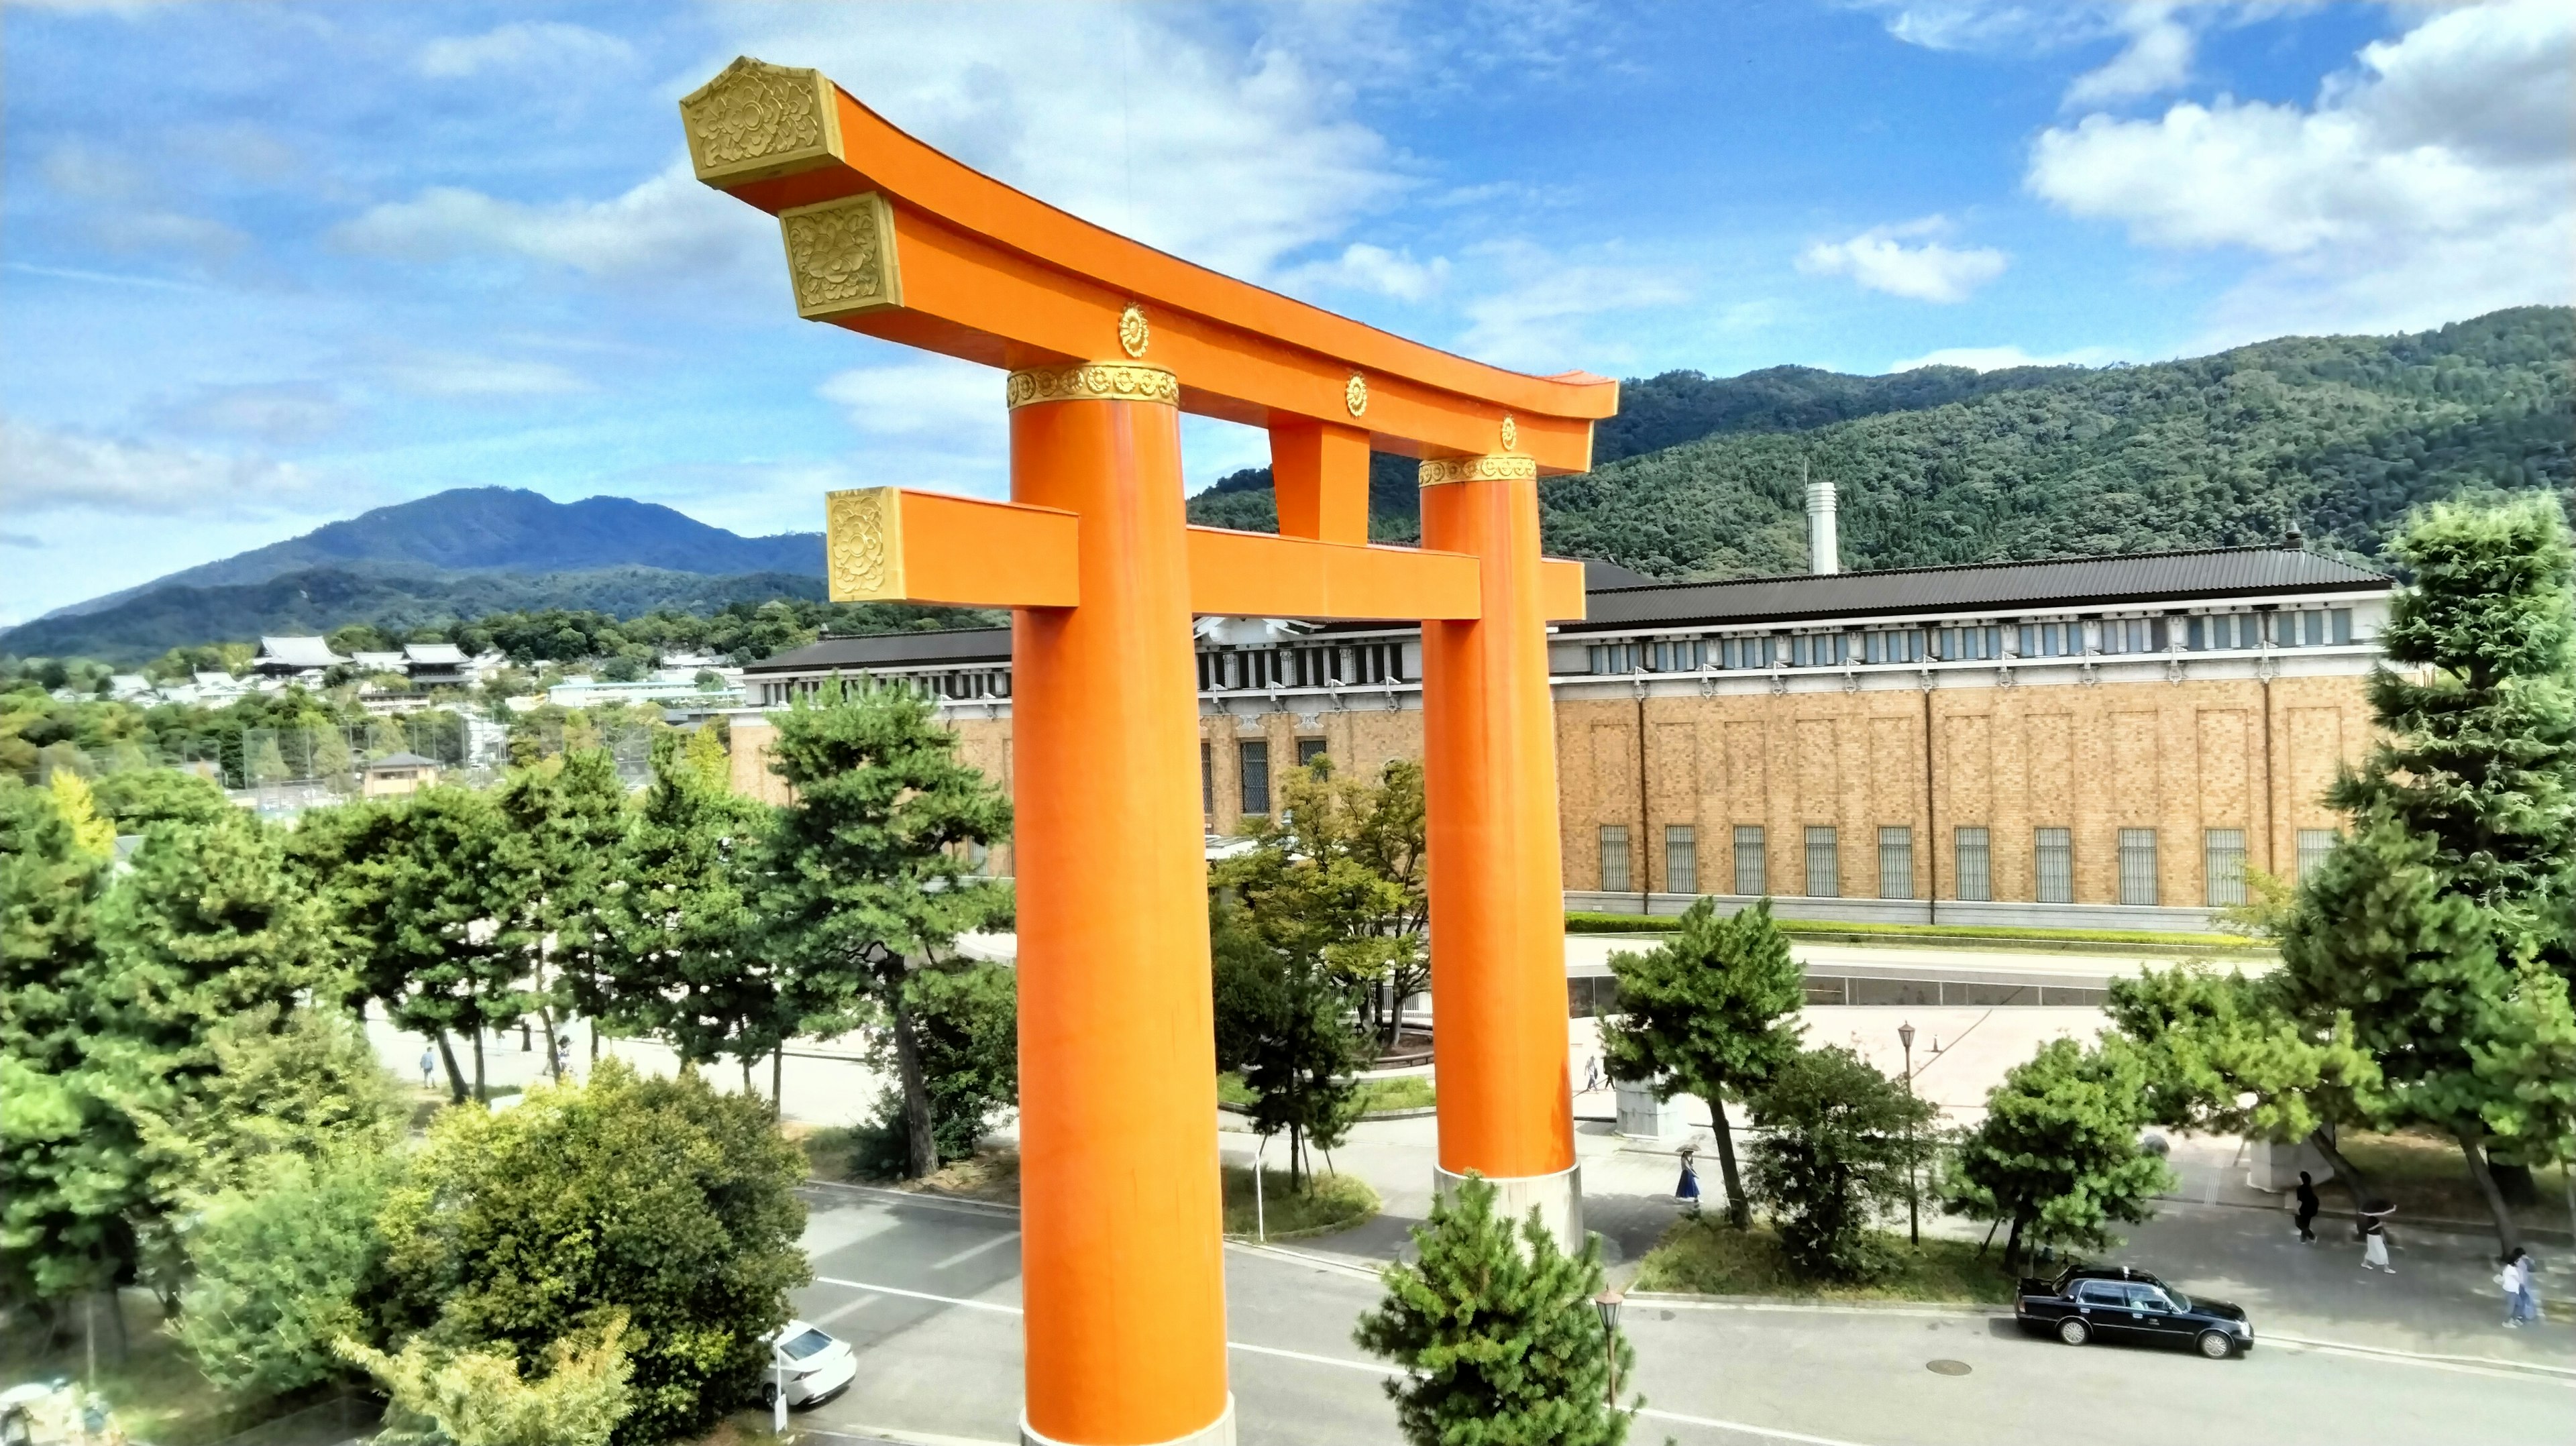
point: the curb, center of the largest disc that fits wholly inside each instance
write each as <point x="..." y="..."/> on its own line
<point x="1415" y="1112"/>
<point x="885" y="1196"/>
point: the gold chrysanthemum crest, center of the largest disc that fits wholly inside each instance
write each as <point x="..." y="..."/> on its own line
<point x="841" y="256"/>
<point x="1511" y="432"/>
<point x="1093" y="382"/>
<point x="756" y="119"/>
<point x="1489" y="468"/>
<point x="1133" y="334"/>
<point x="1355" y="394"/>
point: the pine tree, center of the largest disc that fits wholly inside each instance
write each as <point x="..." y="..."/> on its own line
<point x="562" y="824"/>
<point x="1496" y="1332"/>
<point x="2057" y="1154"/>
<point x="686" y="956"/>
<point x="1713" y="1012"/>
<point x="870" y="874"/>
<point x="2442" y="923"/>
<point x="1842" y="1145"/>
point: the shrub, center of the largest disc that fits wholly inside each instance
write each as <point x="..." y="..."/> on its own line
<point x="1841" y="1140"/>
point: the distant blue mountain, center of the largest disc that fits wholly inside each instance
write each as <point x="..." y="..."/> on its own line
<point x="499" y="529"/>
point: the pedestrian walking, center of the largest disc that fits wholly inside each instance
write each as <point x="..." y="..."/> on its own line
<point x="1688" y="1189"/>
<point x="2374" y="1245"/>
<point x="1592" y="1074"/>
<point x="2521" y="1281"/>
<point x="2509" y="1280"/>
<point x="2307" y="1209"/>
<point x="428" y="1060"/>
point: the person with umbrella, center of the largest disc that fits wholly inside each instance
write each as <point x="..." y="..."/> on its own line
<point x="2374" y="1237"/>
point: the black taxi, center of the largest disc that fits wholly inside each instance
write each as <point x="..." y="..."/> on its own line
<point x="2122" y="1303"/>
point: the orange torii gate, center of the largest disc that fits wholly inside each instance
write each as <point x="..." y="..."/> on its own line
<point x="1105" y="341"/>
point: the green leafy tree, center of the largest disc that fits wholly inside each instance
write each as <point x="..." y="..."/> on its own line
<point x="2057" y="1154"/>
<point x="140" y="797"/>
<point x="2441" y="923"/>
<point x="282" y="1265"/>
<point x="1339" y="873"/>
<point x="304" y="1081"/>
<point x="966" y="1020"/>
<point x="1712" y="1012"/>
<point x="688" y="956"/>
<point x="1842" y="1144"/>
<point x="52" y="870"/>
<point x="657" y="1198"/>
<point x="412" y="889"/>
<point x="2235" y="1056"/>
<point x="1496" y="1334"/>
<point x="562" y="825"/>
<point x="870" y="875"/>
<point x="473" y="1397"/>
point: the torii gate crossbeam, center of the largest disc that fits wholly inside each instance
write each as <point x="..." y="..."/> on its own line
<point x="1107" y="341"/>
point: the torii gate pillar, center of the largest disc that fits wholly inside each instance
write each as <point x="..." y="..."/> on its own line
<point x="1123" y="1278"/>
<point x="1497" y="910"/>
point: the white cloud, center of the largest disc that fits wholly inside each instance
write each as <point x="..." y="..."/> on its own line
<point x="2436" y="181"/>
<point x="1543" y="312"/>
<point x="1997" y="358"/>
<point x="47" y="470"/>
<point x="470" y="375"/>
<point x="1879" y="260"/>
<point x="2157" y="58"/>
<point x="926" y="396"/>
<point x="1363" y="267"/>
<point x="521" y="44"/>
<point x="273" y="412"/>
<point x="665" y="225"/>
<point x="1150" y="120"/>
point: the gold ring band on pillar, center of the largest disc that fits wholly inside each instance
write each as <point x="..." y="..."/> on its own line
<point x="1093" y="382"/>
<point x="1492" y="467"/>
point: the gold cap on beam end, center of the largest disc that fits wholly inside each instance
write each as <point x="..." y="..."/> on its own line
<point x="1493" y="467"/>
<point x="1093" y="382"/>
<point x="841" y="256"/>
<point x="755" y="120"/>
<point x="862" y="551"/>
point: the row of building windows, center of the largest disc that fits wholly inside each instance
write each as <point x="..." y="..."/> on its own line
<point x="1251" y="773"/>
<point x="1351" y="665"/>
<point x="959" y="684"/>
<point x="2317" y="627"/>
<point x="1972" y="854"/>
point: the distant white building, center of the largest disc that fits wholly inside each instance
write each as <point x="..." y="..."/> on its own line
<point x="378" y="662"/>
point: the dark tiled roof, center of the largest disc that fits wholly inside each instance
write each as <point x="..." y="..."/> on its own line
<point x="2129" y="581"/>
<point x="892" y="650"/>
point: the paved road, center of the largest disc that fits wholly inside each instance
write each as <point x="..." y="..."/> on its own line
<point x="929" y="1291"/>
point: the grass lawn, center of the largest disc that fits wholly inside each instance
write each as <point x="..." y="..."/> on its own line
<point x="154" y="1388"/>
<point x="1326" y="1204"/>
<point x="1590" y="923"/>
<point x="1707" y="1256"/>
<point x="1396" y="1092"/>
<point x="2424" y="1176"/>
<point x="831" y="1151"/>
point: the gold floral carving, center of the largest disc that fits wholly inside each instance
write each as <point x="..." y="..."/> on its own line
<point x="1133" y="333"/>
<point x="757" y="120"/>
<point x="1093" y="382"/>
<point x="1489" y="468"/>
<point x="1511" y="432"/>
<point x="1355" y="395"/>
<point x="841" y="256"/>
<point x="861" y="542"/>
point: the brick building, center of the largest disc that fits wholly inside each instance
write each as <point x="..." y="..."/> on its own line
<point x="2095" y="742"/>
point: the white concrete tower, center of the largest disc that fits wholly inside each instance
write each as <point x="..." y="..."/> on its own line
<point x="1824" y="554"/>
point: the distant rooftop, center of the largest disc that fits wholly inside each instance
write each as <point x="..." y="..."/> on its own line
<point x="296" y="653"/>
<point x="2133" y="580"/>
<point x="445" y="654"/>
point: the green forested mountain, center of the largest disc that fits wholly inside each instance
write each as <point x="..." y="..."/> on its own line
<point x="2339" y="435"/>
<point x="318" y="600"/>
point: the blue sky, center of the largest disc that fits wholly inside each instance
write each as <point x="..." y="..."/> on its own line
<point x="262" y="266"/>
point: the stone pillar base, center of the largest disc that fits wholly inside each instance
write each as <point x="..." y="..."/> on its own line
<point x="1219" y="1432"/>
<point x="1559" y="1198"/>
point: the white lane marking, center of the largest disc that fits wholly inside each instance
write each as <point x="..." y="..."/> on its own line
<point x="971" y="1251"/>
<point x="2467" y="1365"/>
<point x="838" y="1311"/>
<point x="1767" y="1432"/>
<point x="1370" y="1367"/>
<point x="993" y="1306"/>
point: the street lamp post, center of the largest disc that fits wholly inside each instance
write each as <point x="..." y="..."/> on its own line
<point x="1607" y="1302"/>
<point x="1913" y="1210"/>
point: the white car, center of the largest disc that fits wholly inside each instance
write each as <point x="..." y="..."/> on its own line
<point x="814" y="1366"/>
